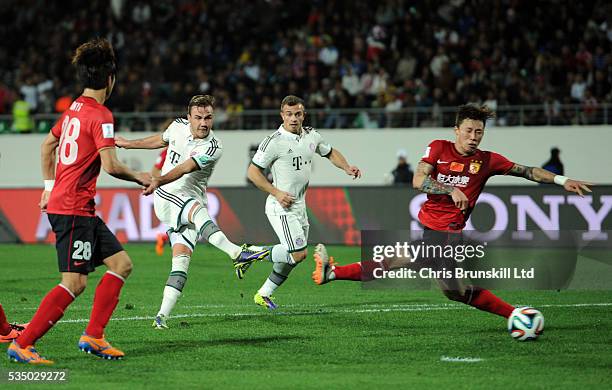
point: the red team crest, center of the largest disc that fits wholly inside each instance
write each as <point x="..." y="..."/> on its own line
<point x="475" y="167"/>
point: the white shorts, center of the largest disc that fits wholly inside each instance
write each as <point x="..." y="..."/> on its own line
<point x="291" y="229"/>
<point x="168" y="208"/>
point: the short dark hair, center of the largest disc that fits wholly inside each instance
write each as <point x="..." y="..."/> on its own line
<point x="94" y="62"/>
<point x="474" y="112"/>
<point x="201" y="101"/>
<point x="291" y="100"/>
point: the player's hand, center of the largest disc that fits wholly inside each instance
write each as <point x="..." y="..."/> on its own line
<point x="461" y="201"/>
<point x="353" y="171"/>
<point x="144" y="178"/>
<point x="577" y="186"/>
<point x="44" y="200"/>
<point x="284" y="198"/>
<point x="152" y="186"/>
<point x="121" y="142"/>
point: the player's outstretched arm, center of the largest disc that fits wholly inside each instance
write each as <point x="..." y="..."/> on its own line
<point x="541" y="175"/>
<point x="255" y="175"/>
<point x="422" y="181"/>
<point x="152" y="142"/>
<point x="175" y="173"/>
<point x="116" y="168"/>
<point x="47" y="161"/>
<point x="339" y="160"/>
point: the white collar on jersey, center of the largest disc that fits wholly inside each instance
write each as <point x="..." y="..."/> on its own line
<point x="286" y="133"/>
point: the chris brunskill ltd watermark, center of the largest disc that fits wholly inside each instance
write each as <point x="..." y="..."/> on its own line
<point x="421" y="260"/>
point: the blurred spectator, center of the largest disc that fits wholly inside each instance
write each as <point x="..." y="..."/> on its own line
<point x="402" y="174"/>
<point x="63" y="103"/>
<point x="554" y="163"/>
<point x="262" y="49"/>
<point x="22" y="122"/>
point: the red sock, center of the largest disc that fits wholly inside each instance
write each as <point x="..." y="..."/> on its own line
<point x="348" y="272"/>
<point x="485" y="300"/>
<point x="105" y="301"/>
<point x="51" y="309"/>
<point x="5" y="328"/>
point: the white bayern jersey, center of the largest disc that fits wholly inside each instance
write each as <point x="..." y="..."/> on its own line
<point x="205" y="152"/>
<point x="290" y="158"/>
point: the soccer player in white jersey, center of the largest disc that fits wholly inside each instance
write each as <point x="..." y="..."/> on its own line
<point x="289" y="151"/>
<point x="180" y="196"/>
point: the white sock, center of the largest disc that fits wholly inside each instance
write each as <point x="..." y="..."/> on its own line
<point x="219" y="240"/>
<point x="178" y="277"/>
<point x="279" y="254"/>
<point x="280" y="272"/>
<point x="171" y="295"/>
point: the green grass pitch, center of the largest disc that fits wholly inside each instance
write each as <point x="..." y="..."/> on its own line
<point x="334" y="336"/>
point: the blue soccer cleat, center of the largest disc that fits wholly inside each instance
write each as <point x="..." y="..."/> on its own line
<point x="248" y="255"/>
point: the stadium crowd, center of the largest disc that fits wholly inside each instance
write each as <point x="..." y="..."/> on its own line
<point x="337" y="54"/>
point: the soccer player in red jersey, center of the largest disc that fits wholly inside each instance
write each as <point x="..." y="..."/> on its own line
<point x="84" y="138"/>
<point x="8" y="331"/>
<point x="453" y="174"/>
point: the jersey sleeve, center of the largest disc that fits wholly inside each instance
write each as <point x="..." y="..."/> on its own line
<point x="208" y="155"/>
<point x="432" y="152"/>
<point x="266" y="154"/>
<point x="167" y="133"/>
<point x="323" y="148"/>
<point x="56" y="130"/>
<point x="499" y="165"/>
<point x="103" y="131"/>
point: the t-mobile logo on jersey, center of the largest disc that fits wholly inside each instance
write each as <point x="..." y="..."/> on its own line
<point x="174" y="157"/>
<point x="297" y="162"/>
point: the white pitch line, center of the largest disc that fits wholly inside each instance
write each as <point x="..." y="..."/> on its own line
<point x="395" y="308"/>
<point x="460" y="359"/>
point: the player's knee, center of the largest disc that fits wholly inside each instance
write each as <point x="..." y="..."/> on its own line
<point x="75" y="283"/>
<point x="122" y="267"/>
<point x="126" y="268"/>
<point x="299" y="256"/>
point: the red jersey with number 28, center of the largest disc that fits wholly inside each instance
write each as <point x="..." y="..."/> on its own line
<point x="83" y="129"/>
<point x="468" y="173"/>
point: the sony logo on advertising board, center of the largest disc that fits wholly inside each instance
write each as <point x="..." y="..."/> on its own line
<point x="529" y="208"/>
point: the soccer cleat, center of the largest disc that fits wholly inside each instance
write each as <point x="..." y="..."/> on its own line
<point x="266" y="302"/>
<point x="159" y="243"/>
<point x="323" y="265"/>
<point x="248" y="255"/>
<point x="26" y="355"/>
<point x="99" y="347"/>
<point x="160" y="322"/>
<point x="16" y="330"/>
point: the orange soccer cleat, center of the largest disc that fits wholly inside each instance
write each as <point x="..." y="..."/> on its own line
<point x="16" y="330"/>
<point x="159" y="244"/>
<point x="324" y="265"/>
<point x="26" y="355"/>
<point x="99" y="347"/>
